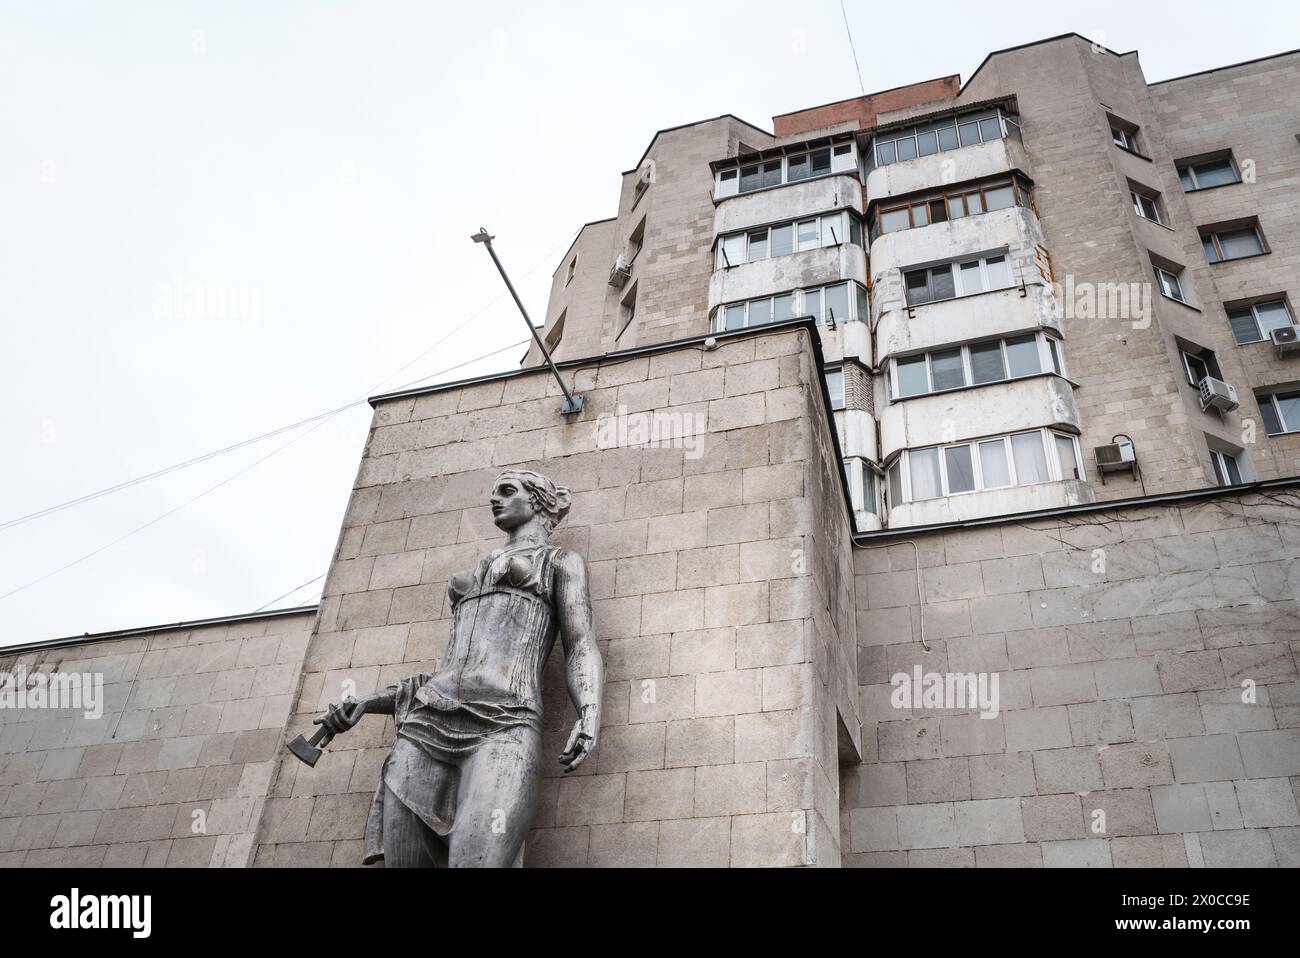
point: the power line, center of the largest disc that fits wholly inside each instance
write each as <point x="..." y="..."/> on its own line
<point x="230" y="478"/>
<point x="290" y="592"/>
<point x="853" y="48"/>
<point x="58" y="507"/>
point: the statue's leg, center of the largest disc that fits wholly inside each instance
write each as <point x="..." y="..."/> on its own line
<point x="408" y="842"/>
<point x="497" y="800"/>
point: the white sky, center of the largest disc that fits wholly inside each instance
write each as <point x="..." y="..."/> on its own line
<point x="323" y="165"/>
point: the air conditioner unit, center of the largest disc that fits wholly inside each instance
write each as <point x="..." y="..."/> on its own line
<point x="1285" y="340"/>
<point x="1217" y="393"/>
<point x="1117" y="456"/>
<point x="619" y="272"/>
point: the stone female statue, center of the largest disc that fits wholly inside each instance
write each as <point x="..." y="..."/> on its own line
<point x="460" y="786"/>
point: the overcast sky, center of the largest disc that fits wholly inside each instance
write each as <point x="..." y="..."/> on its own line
<point x="221" y="218"/>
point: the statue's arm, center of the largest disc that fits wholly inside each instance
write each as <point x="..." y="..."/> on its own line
<point x="584" y="671"/>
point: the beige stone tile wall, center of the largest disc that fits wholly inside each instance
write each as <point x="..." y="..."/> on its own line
<point x="711" y="576"/>
<point x="175" y="771"/>
<point x="1125" y="643"/>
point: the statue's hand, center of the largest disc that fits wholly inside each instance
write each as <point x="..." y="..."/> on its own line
<point x="341" y="718"/>
<point x="582" y="740"/>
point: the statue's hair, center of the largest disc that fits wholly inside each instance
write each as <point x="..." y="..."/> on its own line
<point x="552" y="500"/>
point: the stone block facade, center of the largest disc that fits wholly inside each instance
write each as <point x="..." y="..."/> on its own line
<point x="1149" y="713"/>
<point x="175" y="770"/>
<point x="722" y="584"/>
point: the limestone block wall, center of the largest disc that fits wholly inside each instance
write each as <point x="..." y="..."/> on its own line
<point x="1127" y="644"/>
<point x="175" y="770"/>
<point x="721" y="586"/>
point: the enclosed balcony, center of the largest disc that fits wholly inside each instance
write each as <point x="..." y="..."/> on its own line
<point x="788" y="202"/>
<point x="1043" y="400"/>
<point x="1022" y="308"/>
<point x="943" y="151"/>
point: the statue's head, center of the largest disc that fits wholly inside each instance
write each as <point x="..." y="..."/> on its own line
<point x="518" y="495"/>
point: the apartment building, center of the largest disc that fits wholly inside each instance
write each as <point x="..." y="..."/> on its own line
<point x="1052" y="285"/>
<point x="993" y="379"/>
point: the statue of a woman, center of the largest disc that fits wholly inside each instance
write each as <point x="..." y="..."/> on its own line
<point x="460" y="786"/>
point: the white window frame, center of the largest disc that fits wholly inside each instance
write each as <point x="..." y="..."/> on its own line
<point x="1127" y="139"/>
<point x="1220" y="461"/>
<point x="1047" y="440"/>
<point x="1271" y="400"/>
<point x="1254" y="315"/>
<point x="727" y="181"/>
<point x="833" y="375"/>
<point x="799" y="305"/>
<point x="833" y="229"/>
<point x="1154" y="200"/>
<point x="1046" y="366"/>
<point x="958" y="286"/>
<point x="573" y="270"/>
<point x="1162" y="280"/>
<point x="862" y="483"/>
<point x="1189" y="358"/>
<point x="957" y="120"/>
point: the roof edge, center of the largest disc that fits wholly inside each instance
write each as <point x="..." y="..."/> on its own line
<point x="149" y="629"/>
<point x="1134" y="502"/>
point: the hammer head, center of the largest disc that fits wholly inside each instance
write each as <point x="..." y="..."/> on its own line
<point x="305" y="751"/>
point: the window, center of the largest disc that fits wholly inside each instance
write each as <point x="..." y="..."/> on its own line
<point x="1147" y="206"/>
<point x="822" y="303"/>
<point x="1019" y="459"/>
<point x="781" y="239"/>
<point x="1253" y="323"/>
<point x="976" y="364"/>
<point x="556" y="332"/>
<point x="1226" y="470"/>
<point x="1281" y="412"/>
<point x="573" y="268"/>
<point x="839" y="158"/>
<point x="1204" y="174"/>
<point x="941" y="206"/>
<point x="949" y="133"/>
<point x="760" y="175"/>
<point x="629" y="310"/>
<point x="1199" y="363"/>
<point x="1027" y="453"/>
<point x="1067" y="456"/>
<point x="1169" y="283"/>
<point x="861" y="481"/>
<point x="636" y="241"/>
<point x="835" y="386"/>
<point x="1124" y="135"/>
<point x="957" y="279"/>
<point x="1235" y="243"/>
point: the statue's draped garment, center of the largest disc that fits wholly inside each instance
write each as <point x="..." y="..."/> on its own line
<point x="489" y="680"/>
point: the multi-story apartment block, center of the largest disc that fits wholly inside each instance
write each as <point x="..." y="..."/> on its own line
<point x="966" y="364"/>
<point x="1055" y="284"/>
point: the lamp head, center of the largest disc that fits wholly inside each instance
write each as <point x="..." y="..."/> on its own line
<point x="482" y="236"/>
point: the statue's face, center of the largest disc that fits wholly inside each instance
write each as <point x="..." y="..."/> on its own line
<point x="512" y="506"/>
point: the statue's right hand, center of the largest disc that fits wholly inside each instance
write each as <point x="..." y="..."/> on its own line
<point x="341" y="718"/>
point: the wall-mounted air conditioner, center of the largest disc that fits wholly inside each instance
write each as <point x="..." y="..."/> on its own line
<point x="619" y="272"/>
<point x="1285" y="340"/>
<point x="1217" y="393"/>
<point x="1116" y="456"/>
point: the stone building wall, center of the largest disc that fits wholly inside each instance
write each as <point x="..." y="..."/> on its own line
<point x="1122" y="640"/>
<point x="720" y="579"/>
<point x="175" y="770"/>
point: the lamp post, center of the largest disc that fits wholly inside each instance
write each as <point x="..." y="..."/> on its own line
<point x="572" y="403"/>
